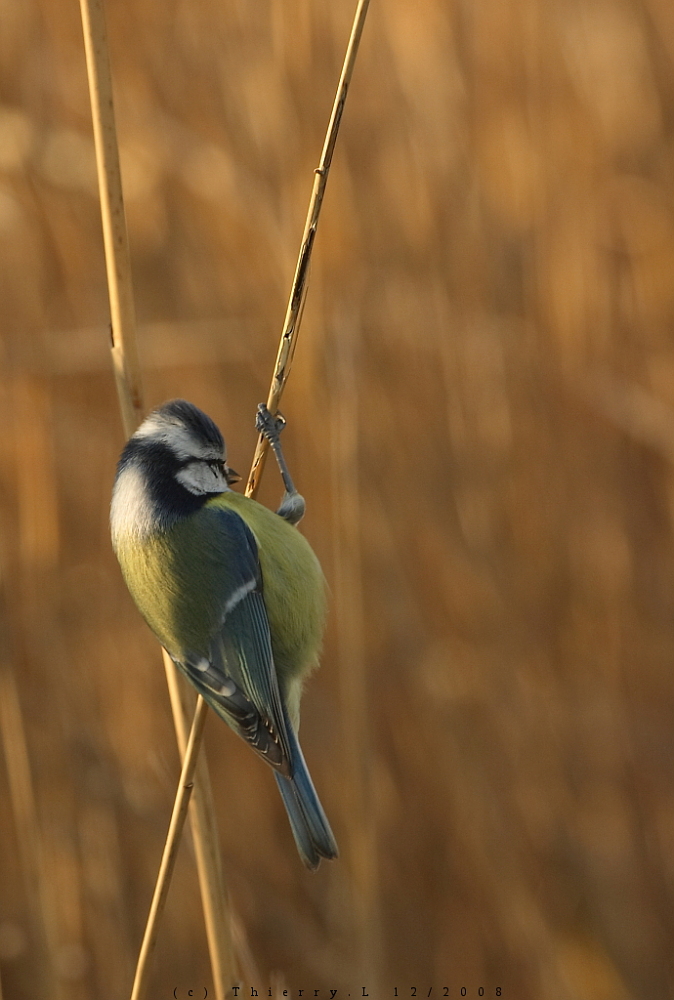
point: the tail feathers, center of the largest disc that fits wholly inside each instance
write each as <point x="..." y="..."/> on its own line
<point x="309" y="823"/>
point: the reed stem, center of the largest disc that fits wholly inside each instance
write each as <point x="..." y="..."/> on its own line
<point x="182" y="801"/>
<point x="298" y="291"/>
<point x="129" y="389"/>
<point x="126" y="368"/>
<point x="117" y="259"/>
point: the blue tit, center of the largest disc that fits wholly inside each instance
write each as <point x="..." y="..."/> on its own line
<point x="232" y="590"/>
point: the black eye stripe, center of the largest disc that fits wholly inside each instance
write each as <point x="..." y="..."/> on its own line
<point x="217" y="463"/>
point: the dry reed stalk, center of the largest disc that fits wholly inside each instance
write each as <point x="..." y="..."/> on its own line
<point x="127" y="377"/>
<point x="37" y="538"/>
<point x="282" y="367"/>
<point x="249" y="970"/>
<point x="217" y="910"/>
<point x="361" y="845"/>
<point x="277" y="985"/>
<point x="213" y="908"/>
<point x="171" y="846"/>
<point x="298" y="291"/>
<point x="28" y="837"/>
<point x="117" y="260"/>
<point x="130" y="394"/>
<point x="638" y="413"/>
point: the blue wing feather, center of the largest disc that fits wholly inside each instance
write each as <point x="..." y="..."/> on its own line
<point x="237" y="676"/>
<point x="309" y="824"/>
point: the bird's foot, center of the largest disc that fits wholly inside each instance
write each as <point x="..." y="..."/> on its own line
<point x="268" y="426"/>
<point x="292" y="507"/>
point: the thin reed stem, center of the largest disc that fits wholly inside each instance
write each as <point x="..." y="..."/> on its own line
<point x="296" y="301"/>
<point x="293" y="318"/>
<point x="123" y="335"/>
<point x="27" y="414"/>
<point x="218" y="917"/>
<point x="298" y="291"/>
<point x="29" y="840"/>
<point x="127" y="377"/>
<point x="115" y="238"/>
<point x="361" y="846"/>
<point x="182" y="801"/>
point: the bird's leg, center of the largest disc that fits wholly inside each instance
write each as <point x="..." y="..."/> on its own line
<point x="292" y="506"/>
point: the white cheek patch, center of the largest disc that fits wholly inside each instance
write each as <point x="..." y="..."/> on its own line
<point x="200" y="478"/>
<point x="131" y="510"/>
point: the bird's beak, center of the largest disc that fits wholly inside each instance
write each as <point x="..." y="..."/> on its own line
<point x="231" y="476"/>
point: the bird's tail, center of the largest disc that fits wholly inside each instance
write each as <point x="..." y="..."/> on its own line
<point x="309" y="823"/>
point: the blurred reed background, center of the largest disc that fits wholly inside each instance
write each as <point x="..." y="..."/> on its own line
<point x="481" y="417"/>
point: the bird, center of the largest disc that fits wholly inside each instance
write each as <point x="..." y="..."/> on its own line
<point x="231" y="589"/>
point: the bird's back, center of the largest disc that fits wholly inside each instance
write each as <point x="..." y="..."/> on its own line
<point x="178" y="579"/>
<point x="293" y="586"/>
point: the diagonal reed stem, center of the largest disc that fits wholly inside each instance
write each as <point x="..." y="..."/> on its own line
<point x="127" y="377"/>
<point x="171" y="846"/>
<point x="298" y="291"/>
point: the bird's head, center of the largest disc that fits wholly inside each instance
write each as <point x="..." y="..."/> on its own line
<point x="173" y="463"/>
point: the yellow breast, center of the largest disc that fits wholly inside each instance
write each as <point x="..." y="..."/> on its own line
<point x="294" y="585"/>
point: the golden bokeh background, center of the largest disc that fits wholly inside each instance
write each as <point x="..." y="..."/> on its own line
<point x="481" y="417"/>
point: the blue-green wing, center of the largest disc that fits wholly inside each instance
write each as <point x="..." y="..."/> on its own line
<point x="237" y="676"/>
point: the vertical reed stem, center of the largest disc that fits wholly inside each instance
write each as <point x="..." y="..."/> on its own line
<point x="37" y="536"/>
<point x="31" y="853"/>
<point x="117" y="258"/>
<point x="126" y="365"/>
<point x="361" y="846"/>
<point x="127" y="376"/>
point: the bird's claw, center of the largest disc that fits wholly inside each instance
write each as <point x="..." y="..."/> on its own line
<point x="292" y="506"/>
<point x="268" y="426"/>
